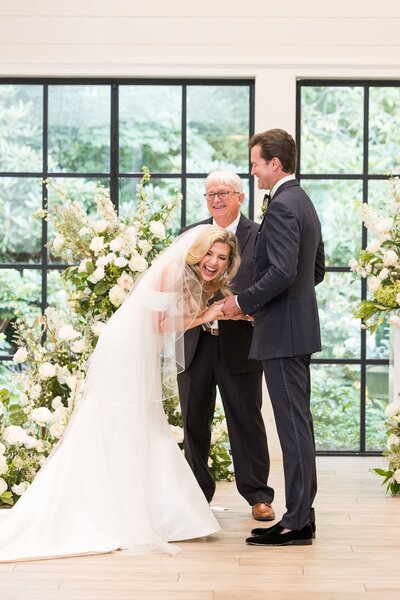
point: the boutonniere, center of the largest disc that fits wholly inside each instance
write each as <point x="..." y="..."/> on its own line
<point x="264" y="205"/>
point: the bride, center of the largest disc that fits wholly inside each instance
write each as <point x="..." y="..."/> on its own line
<point x="117" y="479"/>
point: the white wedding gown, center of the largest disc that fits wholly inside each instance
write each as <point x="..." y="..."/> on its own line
<point x="117" y="480"/>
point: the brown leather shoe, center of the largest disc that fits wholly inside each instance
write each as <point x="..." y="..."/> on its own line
<point x="263" y="512"/>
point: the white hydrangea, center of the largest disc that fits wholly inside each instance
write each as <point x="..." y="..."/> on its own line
<point x="21" y="355"/>
<point x="20" y="488"/>
<point x="117" y="295"/>
<point x="35" y="391"/>
<point x="157" y="229"/>
<point x="14" y="435"/>
<point x="47" y="370"/>
<point x="30" y="442"/>
<point x="41" y="415"/>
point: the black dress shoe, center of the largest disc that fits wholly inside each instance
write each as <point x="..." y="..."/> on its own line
<point x="297" y="537"/>
<point x="264" y="530"/>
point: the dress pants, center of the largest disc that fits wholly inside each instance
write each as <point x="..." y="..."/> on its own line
<point x="241" y="396"/>
<point x="288" y="382"/>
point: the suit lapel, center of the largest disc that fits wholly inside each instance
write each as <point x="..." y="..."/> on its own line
<point x="242" y="233"/>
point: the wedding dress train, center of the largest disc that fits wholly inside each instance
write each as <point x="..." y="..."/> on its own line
<point x="117" y="479"/>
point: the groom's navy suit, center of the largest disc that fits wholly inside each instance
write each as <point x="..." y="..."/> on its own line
<point x="223" y="361"/>
<point x="289" y="262"/>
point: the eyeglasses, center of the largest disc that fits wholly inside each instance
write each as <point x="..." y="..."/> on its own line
<point x="221" y="195"/>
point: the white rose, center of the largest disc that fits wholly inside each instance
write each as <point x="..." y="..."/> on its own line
<point x="40" y="446"/>
<point x="68" y="333"/>
<point x="56" y="402"/>
<point x="121" y="262"/>
<point x="2" y="448"/>
<point x="138" y="263"/>
<point x="78" y="346"/>
<point x="58" y="242"/>
<point x="97" y="327"/>
<point x="111" y="257"/>
<point x="14" y="435"/>
<point x="145" y="246"/>
<point x="3" y="465"/>
<point x="47" y="370"/>
<point x="392" y="440"/>
<point x="396" y="475"/>
<point x="392" y="409"/>
<point x="390" y="258"/>
<point x="102" y="261"/>
<point x="21" y="355"/>
<point x="374" y="283"/>
<point x="41" y="415"/>
<point x="384" y="274"/>
<point x="373" y="246"/>
<point x="56" y="430"/>
<point x="117" y="295"/>
<point x="395" y="319"/>
<point x="97" y="275"/>
<point x="177" y="433"/>
<point x="84" y="231"/>
<point x="116" y="245"/>
<point x="97" y="244"/>
<point x="3" y="486"/>
<point x="83" y="265"/>
<point x="100" y="226"/>
<point x="125" y="281"/>
<point x="157" y="229"/>
<point x="30" y="442"/>
<point x="21" y="488"/>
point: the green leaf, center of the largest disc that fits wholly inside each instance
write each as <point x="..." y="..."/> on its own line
<point x="16" y="415"/>
<point x="7" y="498"/>
<point x="101" y="288"/>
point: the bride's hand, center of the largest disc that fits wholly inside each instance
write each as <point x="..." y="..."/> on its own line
<point x="212" y="313"/>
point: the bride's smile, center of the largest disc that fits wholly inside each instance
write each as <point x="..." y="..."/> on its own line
<point x="215" y="261"/>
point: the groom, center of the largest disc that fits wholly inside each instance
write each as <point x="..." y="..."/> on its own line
<point x="289" y="262"/>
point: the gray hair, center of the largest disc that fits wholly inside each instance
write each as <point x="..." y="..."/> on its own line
<point x="226" y="178"/>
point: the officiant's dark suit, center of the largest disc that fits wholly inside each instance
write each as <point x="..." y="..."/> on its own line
<point x="222" y="360"/>
<point x="289" y="262"/>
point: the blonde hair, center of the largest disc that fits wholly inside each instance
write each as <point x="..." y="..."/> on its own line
<point x="210" y="235"/>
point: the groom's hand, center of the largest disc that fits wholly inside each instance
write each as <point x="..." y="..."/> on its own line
<point x="229" y="307"/>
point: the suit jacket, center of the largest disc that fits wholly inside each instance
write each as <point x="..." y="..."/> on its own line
<point x="289" y="262"/>
<point x="235" y="337"/>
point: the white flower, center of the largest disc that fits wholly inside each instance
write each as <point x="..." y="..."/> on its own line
<point x="395" y="319"/>
<point x="56" y="430"/>
<point x="40" y="446"/>
<point x="21" y="355"/>
<point x="59" y="415"/>
<point x="373" y="246"/>
<point x="102" y="261"/>
<point x="111" y="257"/>
<point x="3" y="486"/>
<point x="121" y="262"/>
<point x="117" y="295"/>
<point x="41" y="415"/>
<point x="392" y="440"/>
<point x="68" y="333"/>
<point x="35" y="391"/>
<point x="58" y="242"/>
<point x="14" y="435"/>
<point x="384" y="274"/>
<point x="3" y="464"/>
<point x="353" y="264"/>
<point x="157" y="229"/>
<point x="71" y="382"/>
<point x="100" y="226"/>
<point x="21" y="488"/>
<point x="97" y="275"/>
<point x="97" y="244"/>
<point x="396" y="475"/>
<point x="84" y="231"/>
<point x="83" y="265"/>
<point x="2" y="448"/>
<point x="125" y="281"/>
<point x="116" y="244"/>
<point x="374" y="283"/>
<point x="56" y="402"/>
<point x="62" y="374"/>
<point x="97" y="327"/>
<point x="30" y="442"/>
<point x="78" y="346"/>
<point x="145" y="247"/>
<point x="177" y="433"/>
<point x="392" y="409"/>
<point x="47" y="370"/>
<point x="138" y="263"/>
<point x="390" y="258"/>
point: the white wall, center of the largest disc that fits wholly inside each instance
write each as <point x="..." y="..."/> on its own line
<point x="275" y="44"/>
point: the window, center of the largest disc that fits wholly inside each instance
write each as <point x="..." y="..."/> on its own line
<point x="80" y="133"/>
<point x="348" y="136"/>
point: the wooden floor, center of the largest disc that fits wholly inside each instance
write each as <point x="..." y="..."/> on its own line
<point x="356" y="554"/>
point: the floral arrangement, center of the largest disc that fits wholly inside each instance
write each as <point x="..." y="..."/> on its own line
<point x="107" y="256"/>
<point x="380" y="264"/>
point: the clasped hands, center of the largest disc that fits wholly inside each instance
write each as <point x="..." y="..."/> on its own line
<point x="227" y="309"/>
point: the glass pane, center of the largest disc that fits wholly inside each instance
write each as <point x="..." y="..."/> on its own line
<point x="340" y="220"/>
<point x="158" y="190"/>
<point x="384" y="129"/>
<point x="332" y="129"/>
<point x="378" y="343"/>
<point x="150" y="128"/>
<point x="196" y="204"/>
<point x="21" y="128"/>
<point x="335" y="393"/>
<point x="20" y="296"/>
<point x="377" y="393"/>
<point x="20" y="231"/>
<point x="337" y="299"/>
<point x="79" y="128"/>
<point x="67" y="189"/>
<point x="217" y="128"/>
<point x="380" y="196"/>
<point x="56" y="291"/>
<point x="8" y="380"/>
